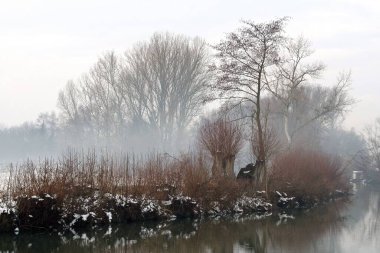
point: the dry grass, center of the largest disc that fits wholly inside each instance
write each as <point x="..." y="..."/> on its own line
<point x="72" y="174"/>
<point x="303" y="173"/>
<point x="77" y="174"/>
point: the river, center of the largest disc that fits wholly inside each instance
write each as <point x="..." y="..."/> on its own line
<point x="343" y="226"/>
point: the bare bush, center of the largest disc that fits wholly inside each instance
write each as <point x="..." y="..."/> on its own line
<point x="223" y="140"/>
<point x="307" y="174"/>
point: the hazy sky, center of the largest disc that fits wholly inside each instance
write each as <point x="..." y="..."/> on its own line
<point x="45" y="43"/>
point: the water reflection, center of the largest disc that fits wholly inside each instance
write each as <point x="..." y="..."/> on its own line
<point x="338" y="227"/>
<point x="362" y="233"/>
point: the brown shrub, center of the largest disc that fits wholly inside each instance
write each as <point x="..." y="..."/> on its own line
<point x="73" y="174"/>
<point x="195" y="176"/>
<point x="77" y="174"/>
<point x="223" y="140"/>
<point x="303" y="173"/>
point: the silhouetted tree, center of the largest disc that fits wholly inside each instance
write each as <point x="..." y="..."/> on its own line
<point x="243" y="59"/>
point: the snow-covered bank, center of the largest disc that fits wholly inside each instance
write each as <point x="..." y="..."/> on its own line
<point x="46" y="212"/>
<point x="49" y="212"/>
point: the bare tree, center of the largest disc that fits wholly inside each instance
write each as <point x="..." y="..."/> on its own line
<point x="96" y="98"/>
<point x="372" y="136"/>
<point x="165" y="81"/>
<point x="95" y="105"/>
<point x="271" y="140"/>
<point x="244" y="57"/>
<point x="159" y="86"/>
<point x="291" y="84"/>
<point x="103" y="97"/>
<point x="69" y="102"/>
<point x="223" y="140"/>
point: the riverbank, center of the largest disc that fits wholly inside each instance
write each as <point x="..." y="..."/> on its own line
<point x="46" y="212"/>
<point x="89" y="190"/>
<point x="330" y="227"/>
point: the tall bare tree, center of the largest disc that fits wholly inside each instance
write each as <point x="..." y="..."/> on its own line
<point x="159" y="86"/>
<point x="103" y="98"/>
<point x="291" y="82"/>
<point x="69" y="101"/>
<point x="243" y="58"/>
<point x="165" y="81"/>
<point x="95" y="104"/>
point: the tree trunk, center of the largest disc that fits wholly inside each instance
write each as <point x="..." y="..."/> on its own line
<point x="223" y="165"/>
<point x="286" y="129"/>
<point x="261" y="170"/>
<point x="216" y="169"/>
<point x="229" y="166"/>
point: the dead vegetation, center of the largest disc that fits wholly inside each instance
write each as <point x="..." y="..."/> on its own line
<point x="297" y="172"/>
<point x="307" y="173"/>
<point x="78" y="174"/>
<point x="223" y="140"/>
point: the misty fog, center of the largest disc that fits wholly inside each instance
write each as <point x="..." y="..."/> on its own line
<point x="154" y="97"/>
<point x="178" y="134"/>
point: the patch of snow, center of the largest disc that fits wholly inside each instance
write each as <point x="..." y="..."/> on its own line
<point x="109" y="215"/>
<point x="237" y="208"/>
<point x="284" y="199"/>
<point x="109" y="231"/>
<point x="132" y="201"/>
<point x="166" y="203"/>
<point x="251" y="204"/>
<point x="84" y="236"/>
<point x="85" y="216"/>
<point x="76" y="217"/>
<point x="7" y="207"/>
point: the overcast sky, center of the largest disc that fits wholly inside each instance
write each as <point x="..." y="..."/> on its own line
<point x="45" y="43"/>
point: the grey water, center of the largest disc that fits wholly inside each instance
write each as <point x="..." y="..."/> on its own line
<point x="342" y="226"/>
